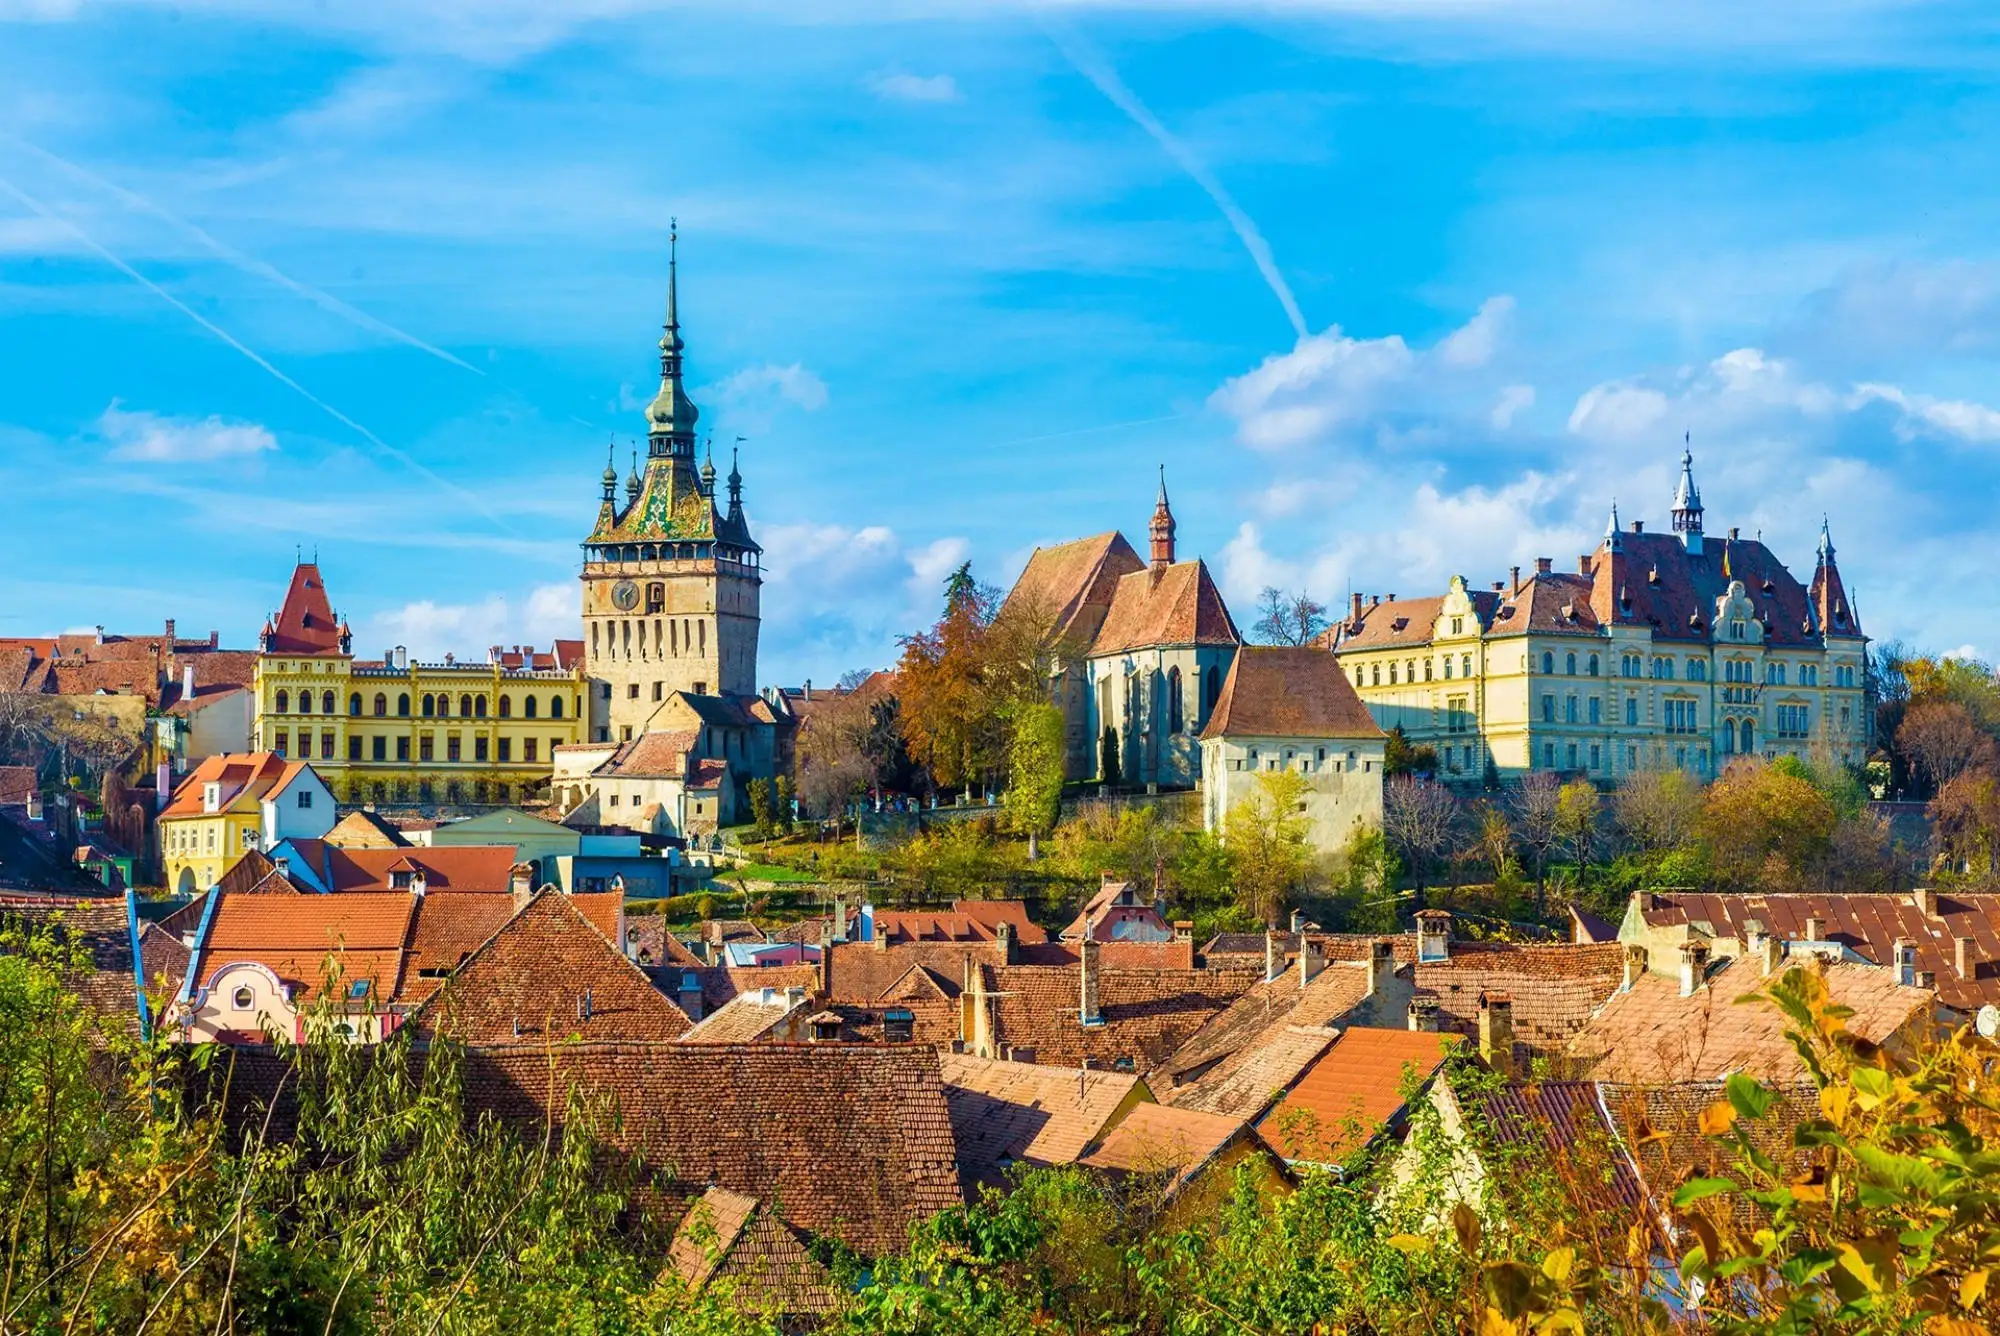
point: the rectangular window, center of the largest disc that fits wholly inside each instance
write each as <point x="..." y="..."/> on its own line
<point x="305" y="799"/>
<point x="381" y="749"/>
<point x="1456" y="713"/>
<point x="632" y="691"/>
<point x="326" y="746"/>
<point x="354" y="749"/>
<point x="1594" y="758"/>
<point x="1631" y="710"/>
<point x="528" y="746"/>
<point x="659" y="691"/>
<point x="402" y="749"/>
<point x="1549" y="755"/>
<point x="427" y="748"/>
<point x="282" y="744"/>
<point x="1596" y="710"/>
<point x="1548" y="709"/>
<point x="479" y="748"/>
<point x="1569" y="709"/>
<point x="506" y="749"/>
<point x="451" y="747"/>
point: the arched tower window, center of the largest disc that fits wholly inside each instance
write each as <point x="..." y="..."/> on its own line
<point x="381" y="705"/>
<point x="479" y="707"/>
<point x="305" y="702"/>
<point x="430" y="705"/>
<point x="555" y="707"/>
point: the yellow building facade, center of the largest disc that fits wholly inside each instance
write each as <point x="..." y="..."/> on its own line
<point x="396" y="731"/>
<point x="1661" y="651"/>
<point x="233" y="803"/>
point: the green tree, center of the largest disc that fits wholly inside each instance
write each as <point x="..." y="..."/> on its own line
<point x="1266" y="835"/>
<point x="787" y="801"/>
<point x="762" y="812"/>
<point x="1399" y="757"/>
<point x="1578" y="808"/>
<point x="1107" y="757"/>
<point x="1035" y="762"/>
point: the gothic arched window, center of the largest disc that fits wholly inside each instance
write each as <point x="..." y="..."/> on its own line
<point x="284" y="702"/>
<point x="555" y="707"/>
<point x="354" y="705"/>
<point x="527" y="708"/>
<point x="464" y="706"/>
<point x="326" y="702"/>
<point x="506" y="707"/>
<point x="1176" y="720"/>
<point x="403" y="706"/>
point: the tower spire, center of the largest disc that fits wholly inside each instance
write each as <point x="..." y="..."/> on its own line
<point x="1687" y="500"/>
<point x="611" y="470"/>
<point x="632" y="479"/>
<point x="671" y="416"/>
<point x="1162" y="528"/>
<point x="1613" y="538"/>
<point x="735" y="481"/>
<point x="1825" y="542"/>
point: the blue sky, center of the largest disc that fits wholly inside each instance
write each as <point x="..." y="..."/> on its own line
<point x="383" y="279"/>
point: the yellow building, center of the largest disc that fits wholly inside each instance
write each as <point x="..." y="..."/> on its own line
<point x="393" y="731"/>
<point x="233" y="803"/>
<point x="1661" y="651"/>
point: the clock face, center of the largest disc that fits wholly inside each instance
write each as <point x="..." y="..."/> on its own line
<point x="625" y="595"/>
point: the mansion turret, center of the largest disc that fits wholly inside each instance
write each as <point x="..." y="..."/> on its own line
<point x="1661" y="650"/>
<point x="671" y="576"/>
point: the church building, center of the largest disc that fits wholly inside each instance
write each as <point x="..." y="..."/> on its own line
<point x="671" y="587"/>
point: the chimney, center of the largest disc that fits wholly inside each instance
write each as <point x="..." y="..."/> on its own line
<point x="1638" y="526"/>
<point x="1925" y="899"/>
<point x="522" y="882"/>
<point x="1433" y="935"/>
<point x="1003" y="934"/>
<point x="1753" y="937"/>
<point x="1583" y="565"/>
<point x="1926" y="979"/>
<point x="1694" y="966"/>
<point x="1310" y="961"/>
<point x="690" y="995"/>
<point x="1496" y="1032"/>
<point x="1635" y="966"/>
<point x="1374" y="600"/>
<point x="1424" y="1013"/>
<point x="1734" y="533"/>
<point x="1357" y="608"/>
<point x="1184" y="931"/>
<point x="1298" y="921"/>
<point x="100" y="635"/>
<point x="809" y="688"/>
<point x="1513" y="580"/>
<point x="838" y="923"/>
<point x="418" y="886"/>
<point x="1967" y="958"/>
<point x="1087" y="1008"/>
<point x="1771" y="955"/>
<point x="1815" y="926"/>
<point x="169" y="637"/>
<point x="1381" y="964"/>
<point x="1904" y="953"/>
<point x="826" y="965"/>
<point x="1273" y="958"/>
<point x="187" y="681"/>
<point x="1543" y="565"/>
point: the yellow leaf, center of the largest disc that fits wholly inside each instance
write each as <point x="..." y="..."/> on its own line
<point x="1563" y="1319"/>
<point x="1955" y="1326"/>
<point x="1409" y="1243"/>
<point x="1636" y="1243"/>
<point x="1857" y="1266"/>
<point x="1465" y="1221"/>
<point x="1492" y="1324"/>
<point x="1717" y="1119"/>
<point x="1972" y="1289"/>
<point x="1556" y="1266"/>
<point x="1806" y="1190"/>
<point x="1833" y="1102"/>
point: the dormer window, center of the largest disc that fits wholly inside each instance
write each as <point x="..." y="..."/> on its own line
<point x="401" y="880"/>
<point x="211" y="797"/>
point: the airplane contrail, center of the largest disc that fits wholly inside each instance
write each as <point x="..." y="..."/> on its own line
<point x="219" y="332"/>
<point x="1092" y="67"/>
<point x="248" y="263"/>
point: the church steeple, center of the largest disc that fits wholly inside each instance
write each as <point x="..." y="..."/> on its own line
<point x="1687" y="503"/>
<point x="1612" y="537"/>
<point x="735" y="486"/>
<point x="1825" y="542"/>
<point x="671" y="416"/>
<point x="1162" y="527"/>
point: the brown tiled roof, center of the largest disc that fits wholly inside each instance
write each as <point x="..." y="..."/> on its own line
<point x="1660" y="1125"/>
<point x="293" y="935"/>
<point x="1387" y="624"/>
<point x="1154" y="1138"/>
<point x="659" y="755"/>
<point x="305" y="624"/>
<point x="1269" y="1006"/>
<point x="1563" y="1121"/>
<point x="864" y="972"/>
<point x="727" y="1239"/>
<point x="719" y="983"/>
<point x="1074" y="582"/>
<point x="1244" y="1084"/>
<point x="1554" y="988"/>
<point x="967" y="920"/>
<point x="647" y="936"/>
<point x="362" y="829"/>
<point x="17" y="783"/>
<point x="1148" y="1014"/>
<point x="482" y="868"/>
<point x="1176" y="606"/>
<point x="1548" y="603"/>
<point x="174" y="701"/>
<point x="99" y="930"/>
<point x="1005" y="1113"/>
<point x="163" y="965"/>
<point x="447" y="931"/>
<point x="110" y="677"/>
<point x="1869" y="924"/>
<point x="549" y="974"/>
<point x="1351" y="1091"/>
<point x="1282" y="691"/>
<point x="1651" y="1035"/>
<point x="846" y="1140"/>
<point x="255" y="874"/>
<point x="747" y="1017"/>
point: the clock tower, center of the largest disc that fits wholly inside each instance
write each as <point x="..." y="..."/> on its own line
<point x="671" y="580"/>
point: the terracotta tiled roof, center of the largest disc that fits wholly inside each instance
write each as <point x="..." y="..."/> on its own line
<point x="305" y="624"/>
<point x="1007" y="1113"/>
<point x="659" y="755"/>
<point x="174" y="701"/>
<point x="1268" y="1007"/>
<point x="1562" y="1120"/>
<point x="728" y="1239"/>
<point x="251" y="775"/>
<point x="447" y="931"/>
<point x="549" y="974"/>
<point x="1651" y="1035"/>
<point x="1154" y="1138"/>
<point x="720" y="984"/>
<point x="851" y="1141"/>
<point x="1244" y="1084"/>
<point x="294" y="936"/>
<point x="255" y="874"/>
<point x="1660" y="1125"/>
<point x="1351" y="1091"/>
<point x="863" y="972"/>
<point x="163" y="965"/>
<point x="1073" y="582"/>
<point x="967" y="920"/>
<point x="1176" y="606"/>
<point x="481" y="868"/>
<point x="1288" y="692"/>
<point x="1654" y="581"/>
<point x="648" y="942"/>
<point x="747" y="1017"/>
<point x="1868" y="924"/>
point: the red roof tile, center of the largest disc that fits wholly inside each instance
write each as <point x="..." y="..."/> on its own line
<point x="1343" y="1098"/>
<point x="1176" y="606"/>
<point x="1287" y="692"/>
<point x="305" y="624"/>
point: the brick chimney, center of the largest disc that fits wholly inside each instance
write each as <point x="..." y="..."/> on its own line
<point x="689" y="995"/>
<point x="1967" y="958"/>
<point x="1513" y="580"/>
<point x="1635" y="966"/>
<point x="1356" y="614"/>
<point x="826" y="964"/>
<point x="1543" y="565"/>
<point x="1694" y="966"/>
<point x="1583" y="565"/>
<point x="1496" y="1032"/>
<point x="1088" y="1011"/>
<point x="1184" y="931"/>
<point x="1424" y="1013"/>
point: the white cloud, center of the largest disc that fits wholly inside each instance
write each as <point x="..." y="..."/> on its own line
<point x="1513" y="398"/>
<point x="756" y="386"/>
<point x="1975" y="423"/>
<point x="931" y="563"/>
<point x="430" y="630"/>
<point x="916" y="88"/>
<point x="1330" y="382"/>
<point x="156" y="439"/>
